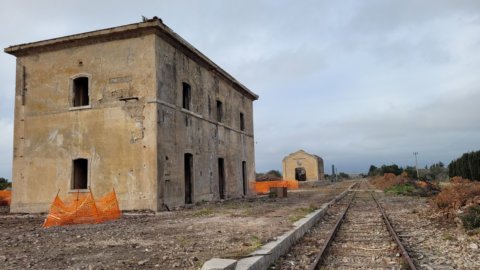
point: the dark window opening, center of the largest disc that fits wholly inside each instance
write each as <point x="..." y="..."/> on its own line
<point x="221" y="178"/>
<point x="186" y="96"/>
<point x="244" y="177"/>
<point x="242" y="122"/>
<point x="300" y="174"/>
<point x="209" y="107"/>
<point x="219" y="111"/>
<point x="188" y="167"/>
<point x="80" y="92"/>
<point x="80" y="173"/>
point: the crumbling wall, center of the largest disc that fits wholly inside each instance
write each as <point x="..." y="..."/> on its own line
<point x="116" y="132"/>
<point x="196" y="131"/>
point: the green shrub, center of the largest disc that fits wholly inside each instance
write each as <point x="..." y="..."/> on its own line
<point x="471" y="217"/>
<point x="401" y="189"/>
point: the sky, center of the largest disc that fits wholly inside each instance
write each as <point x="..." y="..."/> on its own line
<point x="355" y="82"/>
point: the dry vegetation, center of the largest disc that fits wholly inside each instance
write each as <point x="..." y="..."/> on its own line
<point x="458" y="200"/>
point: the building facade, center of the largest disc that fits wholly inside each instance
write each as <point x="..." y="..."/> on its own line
<point x="135" y="108"/>
<point x="303" y="166"/>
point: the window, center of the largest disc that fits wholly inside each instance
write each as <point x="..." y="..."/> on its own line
<point x="80" y="174"/>
<point x="80" y="92"/>
<point x="219" y="111"/>
<point x="242" y="122"/>
<point x="186" y="96"/>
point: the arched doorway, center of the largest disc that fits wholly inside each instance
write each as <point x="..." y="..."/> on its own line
<point x="300" y="174"/>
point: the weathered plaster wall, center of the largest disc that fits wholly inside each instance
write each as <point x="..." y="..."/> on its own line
<point x="118" y="137"/>
<point x="197" y="131"/>
<point x="312" y="165"/>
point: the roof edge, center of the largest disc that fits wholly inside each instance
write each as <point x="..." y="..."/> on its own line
<point x="119" y="32"/>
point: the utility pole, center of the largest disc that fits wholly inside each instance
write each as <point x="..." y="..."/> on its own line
<point x="416" y="163"/>
<point x="333" y="173"/>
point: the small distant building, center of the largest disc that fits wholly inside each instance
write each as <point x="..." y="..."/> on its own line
<point x="303" y="166"/>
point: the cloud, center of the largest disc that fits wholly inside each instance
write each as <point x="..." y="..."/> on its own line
<point x="356" y="82"/>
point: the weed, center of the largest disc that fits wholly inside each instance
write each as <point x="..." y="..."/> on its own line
<point x="447" y="236"/>
<point x="471" y="218"/>
<point x="300" y="213"/>
<point x="203" y="212"/>
<point x="401" y="189"/>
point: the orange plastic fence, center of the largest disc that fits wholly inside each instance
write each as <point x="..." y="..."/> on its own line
<point x="5" y="197"/>
<point x="264" y="186"/>
<point x="83" y="209"/>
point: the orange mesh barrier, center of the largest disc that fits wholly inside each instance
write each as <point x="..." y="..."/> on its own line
<point x="264" y="186"/>
<point x="5" y="197"/>
<point x="82" y="209"/>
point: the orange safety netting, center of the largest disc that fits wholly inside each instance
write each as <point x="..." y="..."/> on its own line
<point x="5" y="197"/>
<point x="264" y="186"/>
<point x="83" y="209"/>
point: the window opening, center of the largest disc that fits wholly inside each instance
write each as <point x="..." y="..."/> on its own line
<point x="80" y="92"/>
<point x="219" y="111"/>
<point x="80" y="173"/>
<point x="186" y="96"/>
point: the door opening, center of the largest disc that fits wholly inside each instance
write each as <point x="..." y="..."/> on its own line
<point x="300" y="174"/>
<point x="188" y="168"/>
<point x="221" y="178"/>
<point x="244" y="177"/>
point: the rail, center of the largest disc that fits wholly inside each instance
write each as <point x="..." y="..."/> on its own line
<point x="323" y="251"/>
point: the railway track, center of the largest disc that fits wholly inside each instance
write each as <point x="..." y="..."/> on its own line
<point x="359" y="236"/>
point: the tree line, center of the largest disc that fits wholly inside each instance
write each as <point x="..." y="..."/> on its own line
<point x="467" y="166"/>
<point x="393" y="168"/>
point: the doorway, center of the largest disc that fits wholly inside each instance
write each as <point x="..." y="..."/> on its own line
<point x="244" y="177"/>
<point x="188" y="169"/>
<point x="300" y="174"/>
<point x="221" y="178"/>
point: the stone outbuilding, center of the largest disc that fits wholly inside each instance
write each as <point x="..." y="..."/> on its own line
<point x="135" y="108"/>
<point x="303" y="166"/>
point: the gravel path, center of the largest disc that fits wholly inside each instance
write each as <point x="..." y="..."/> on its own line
<point x="181" y="239"/>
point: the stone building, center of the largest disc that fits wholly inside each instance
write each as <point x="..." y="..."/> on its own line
<point x="135" y="108"/>
<point x="303" y="166"/>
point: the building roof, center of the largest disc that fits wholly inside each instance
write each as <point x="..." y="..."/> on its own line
<point x="128" y="31"/>
<point x="301" y="151"/>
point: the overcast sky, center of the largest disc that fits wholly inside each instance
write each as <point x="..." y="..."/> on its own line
<point x="355" y="82"/>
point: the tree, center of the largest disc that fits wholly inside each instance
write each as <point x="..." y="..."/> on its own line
<point x="373" y="170"/>
<point x="4" y="183"/>
<point x="467" y="166"/>
<point x="275" y="173"/>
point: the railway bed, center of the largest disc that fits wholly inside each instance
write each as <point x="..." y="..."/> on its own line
<point x="354" y="234"/>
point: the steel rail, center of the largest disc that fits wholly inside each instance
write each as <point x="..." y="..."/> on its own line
<point x="321" y="255"/>
<point x="403" y="251"/>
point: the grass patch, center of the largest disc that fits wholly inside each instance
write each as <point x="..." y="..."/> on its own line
<point x="300" y="213"/>
<point x="401" y="189"/>
<point x="447" y="236"/>
<point x="203" y="212"/>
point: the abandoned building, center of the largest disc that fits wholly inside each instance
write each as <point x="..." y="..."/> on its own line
<point x="133" y="108"/>
<point x="303" y="166"/>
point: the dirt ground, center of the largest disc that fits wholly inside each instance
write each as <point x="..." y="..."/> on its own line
<point x="182" y="239"/>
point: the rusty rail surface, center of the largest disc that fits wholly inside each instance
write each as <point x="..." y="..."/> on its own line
<point x="403" y="251"/>
<point x="321" y="255"/>
<point x="323" y="252"/>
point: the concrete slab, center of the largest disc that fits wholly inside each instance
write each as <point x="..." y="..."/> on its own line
<point x="219" y="264"/>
